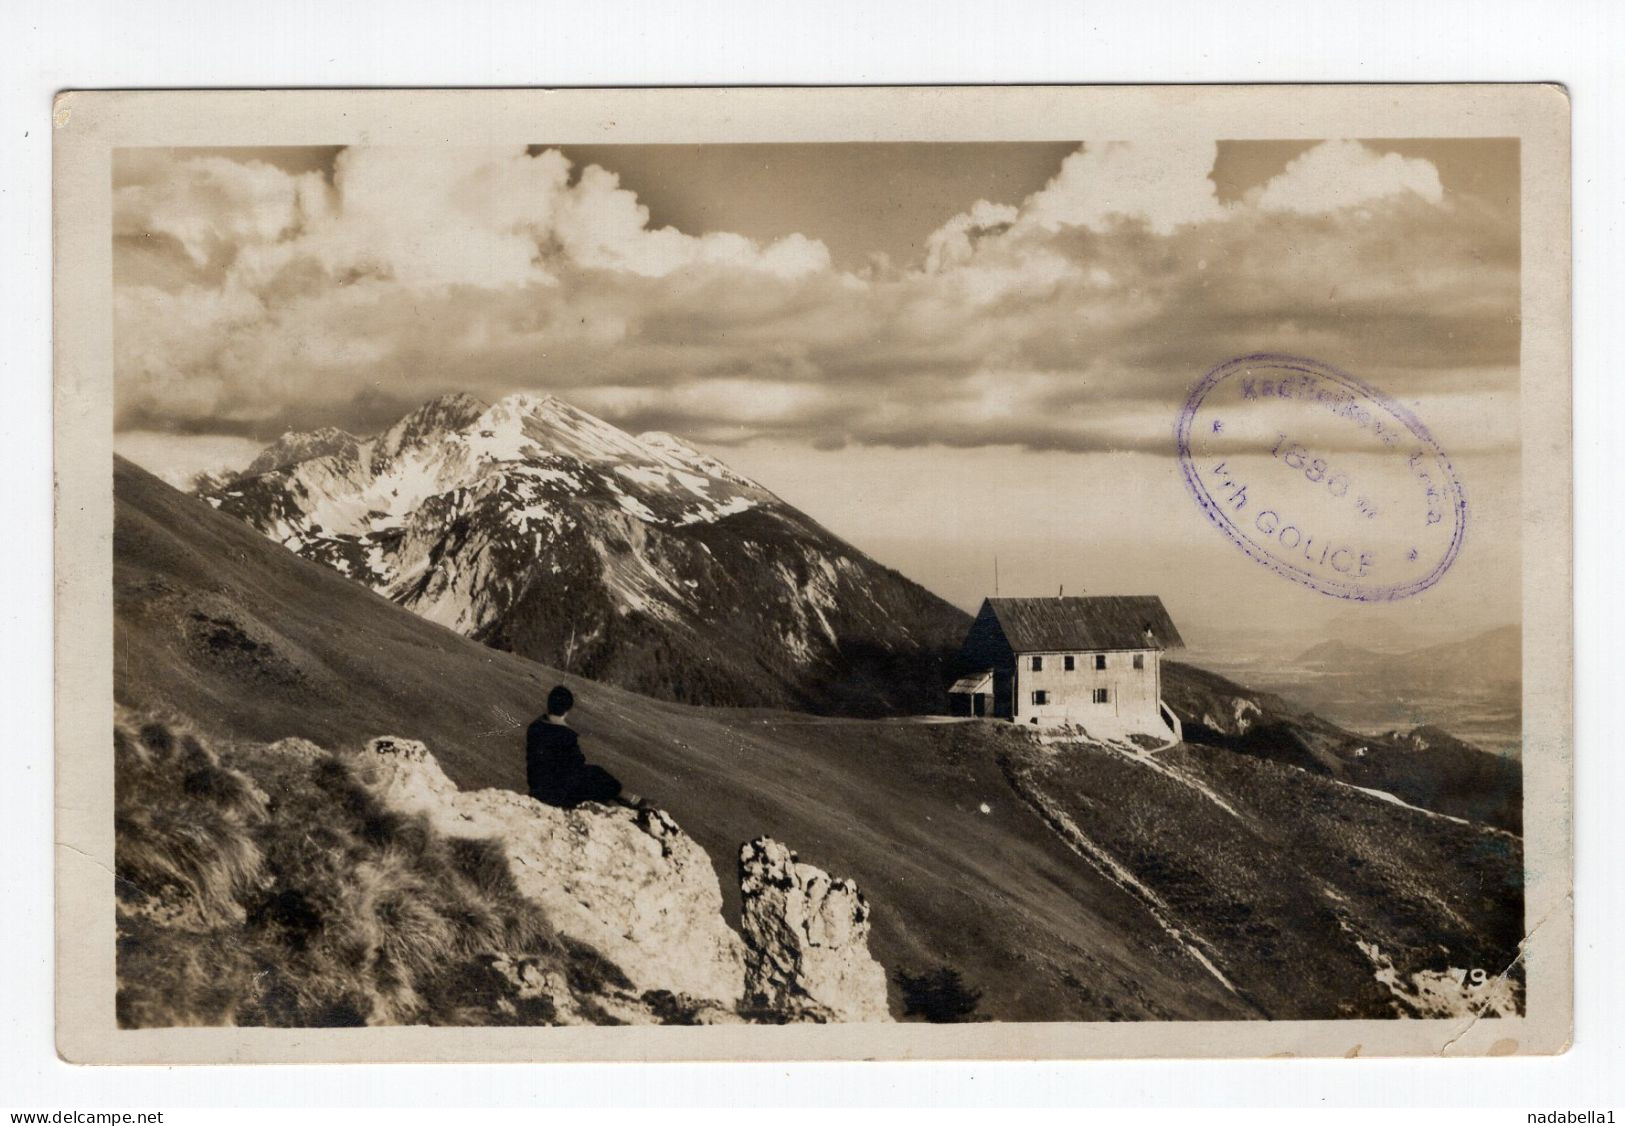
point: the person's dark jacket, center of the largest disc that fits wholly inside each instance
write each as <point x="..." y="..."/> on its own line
<point x="557" y="771"/>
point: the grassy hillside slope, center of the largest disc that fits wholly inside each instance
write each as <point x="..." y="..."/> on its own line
<point x="250" y="642"/>
<point x="1313" y="898"/>
<point x="970" y="840"/>
<point x="1425" y="766"/>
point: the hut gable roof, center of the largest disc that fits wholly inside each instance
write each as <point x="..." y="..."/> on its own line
<point x="1106" y="622"/>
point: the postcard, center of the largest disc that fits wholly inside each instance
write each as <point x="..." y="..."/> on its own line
<point x="813" y="573"/>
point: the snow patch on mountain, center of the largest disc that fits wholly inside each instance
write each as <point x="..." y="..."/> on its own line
<point x="681" y="453"/>
<point x="1391" y="799"/>
<point x="635" y="507"/>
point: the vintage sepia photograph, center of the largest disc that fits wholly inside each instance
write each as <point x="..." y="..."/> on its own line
<point x="688" y="582"/>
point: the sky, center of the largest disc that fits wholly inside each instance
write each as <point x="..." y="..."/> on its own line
<point x="945" y="353"/>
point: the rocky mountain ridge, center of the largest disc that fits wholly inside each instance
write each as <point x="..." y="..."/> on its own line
<point x="535" y="527"/>
<point x="1423" y="766"/>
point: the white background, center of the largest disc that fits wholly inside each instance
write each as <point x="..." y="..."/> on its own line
<point x="48" y="47"/>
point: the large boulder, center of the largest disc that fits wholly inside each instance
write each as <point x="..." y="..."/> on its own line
<point x="628" y="882"/>
<point x="807" y="938"/>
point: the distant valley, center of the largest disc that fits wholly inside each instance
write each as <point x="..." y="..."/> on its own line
<point x="1470" y="687"/>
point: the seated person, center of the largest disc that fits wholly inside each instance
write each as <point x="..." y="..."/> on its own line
<point x="555" y="768"/>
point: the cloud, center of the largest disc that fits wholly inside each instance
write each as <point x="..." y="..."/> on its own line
<point x="603" y="226"/>
<point x="425" y="218"/>
<point x="250" y="299"/>
<point x="179" y="458"/>
<point x="954" y="243"/>
<point x="1162" y="185"/>
<point x="1339" y="174"/>
<point x="210" y="205"/>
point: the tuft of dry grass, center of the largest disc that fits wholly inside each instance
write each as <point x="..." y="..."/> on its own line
<point x="181" y="824"/>
<point x="269" y="886"/>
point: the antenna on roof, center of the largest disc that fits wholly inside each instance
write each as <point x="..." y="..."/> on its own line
<point x="1061" y="591"/>
<point x="995" y="576"/>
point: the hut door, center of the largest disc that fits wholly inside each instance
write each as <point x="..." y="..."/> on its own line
<point x="1004" y="694"/>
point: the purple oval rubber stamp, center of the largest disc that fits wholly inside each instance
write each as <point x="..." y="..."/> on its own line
<point x="1321" y="478"/>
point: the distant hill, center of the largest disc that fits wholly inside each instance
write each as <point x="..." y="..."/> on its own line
<point x="1335" y="653"/>
<point x="1472" y="687"/>
<point x="1057" y="884"/>
<point x="537" y="528"/>
<point x="1494" y="656"/>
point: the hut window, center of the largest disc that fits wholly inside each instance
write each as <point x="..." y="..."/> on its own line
<point x="1102" y="695"/>
<point x="1069" y="663"/>
<point x="1100" y="660"/>
<point x="1040" y="697"/>
<point x="1139" y="660"/>
<point x="1038" y="664"/>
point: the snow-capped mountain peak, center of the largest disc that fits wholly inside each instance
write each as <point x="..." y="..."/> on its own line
<point x="527" y="459"/>
<point x="534" y="525"/>
<point x="556" y="427"/>
<point x="296" y="446"/>
<point x="440" y="416"/>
